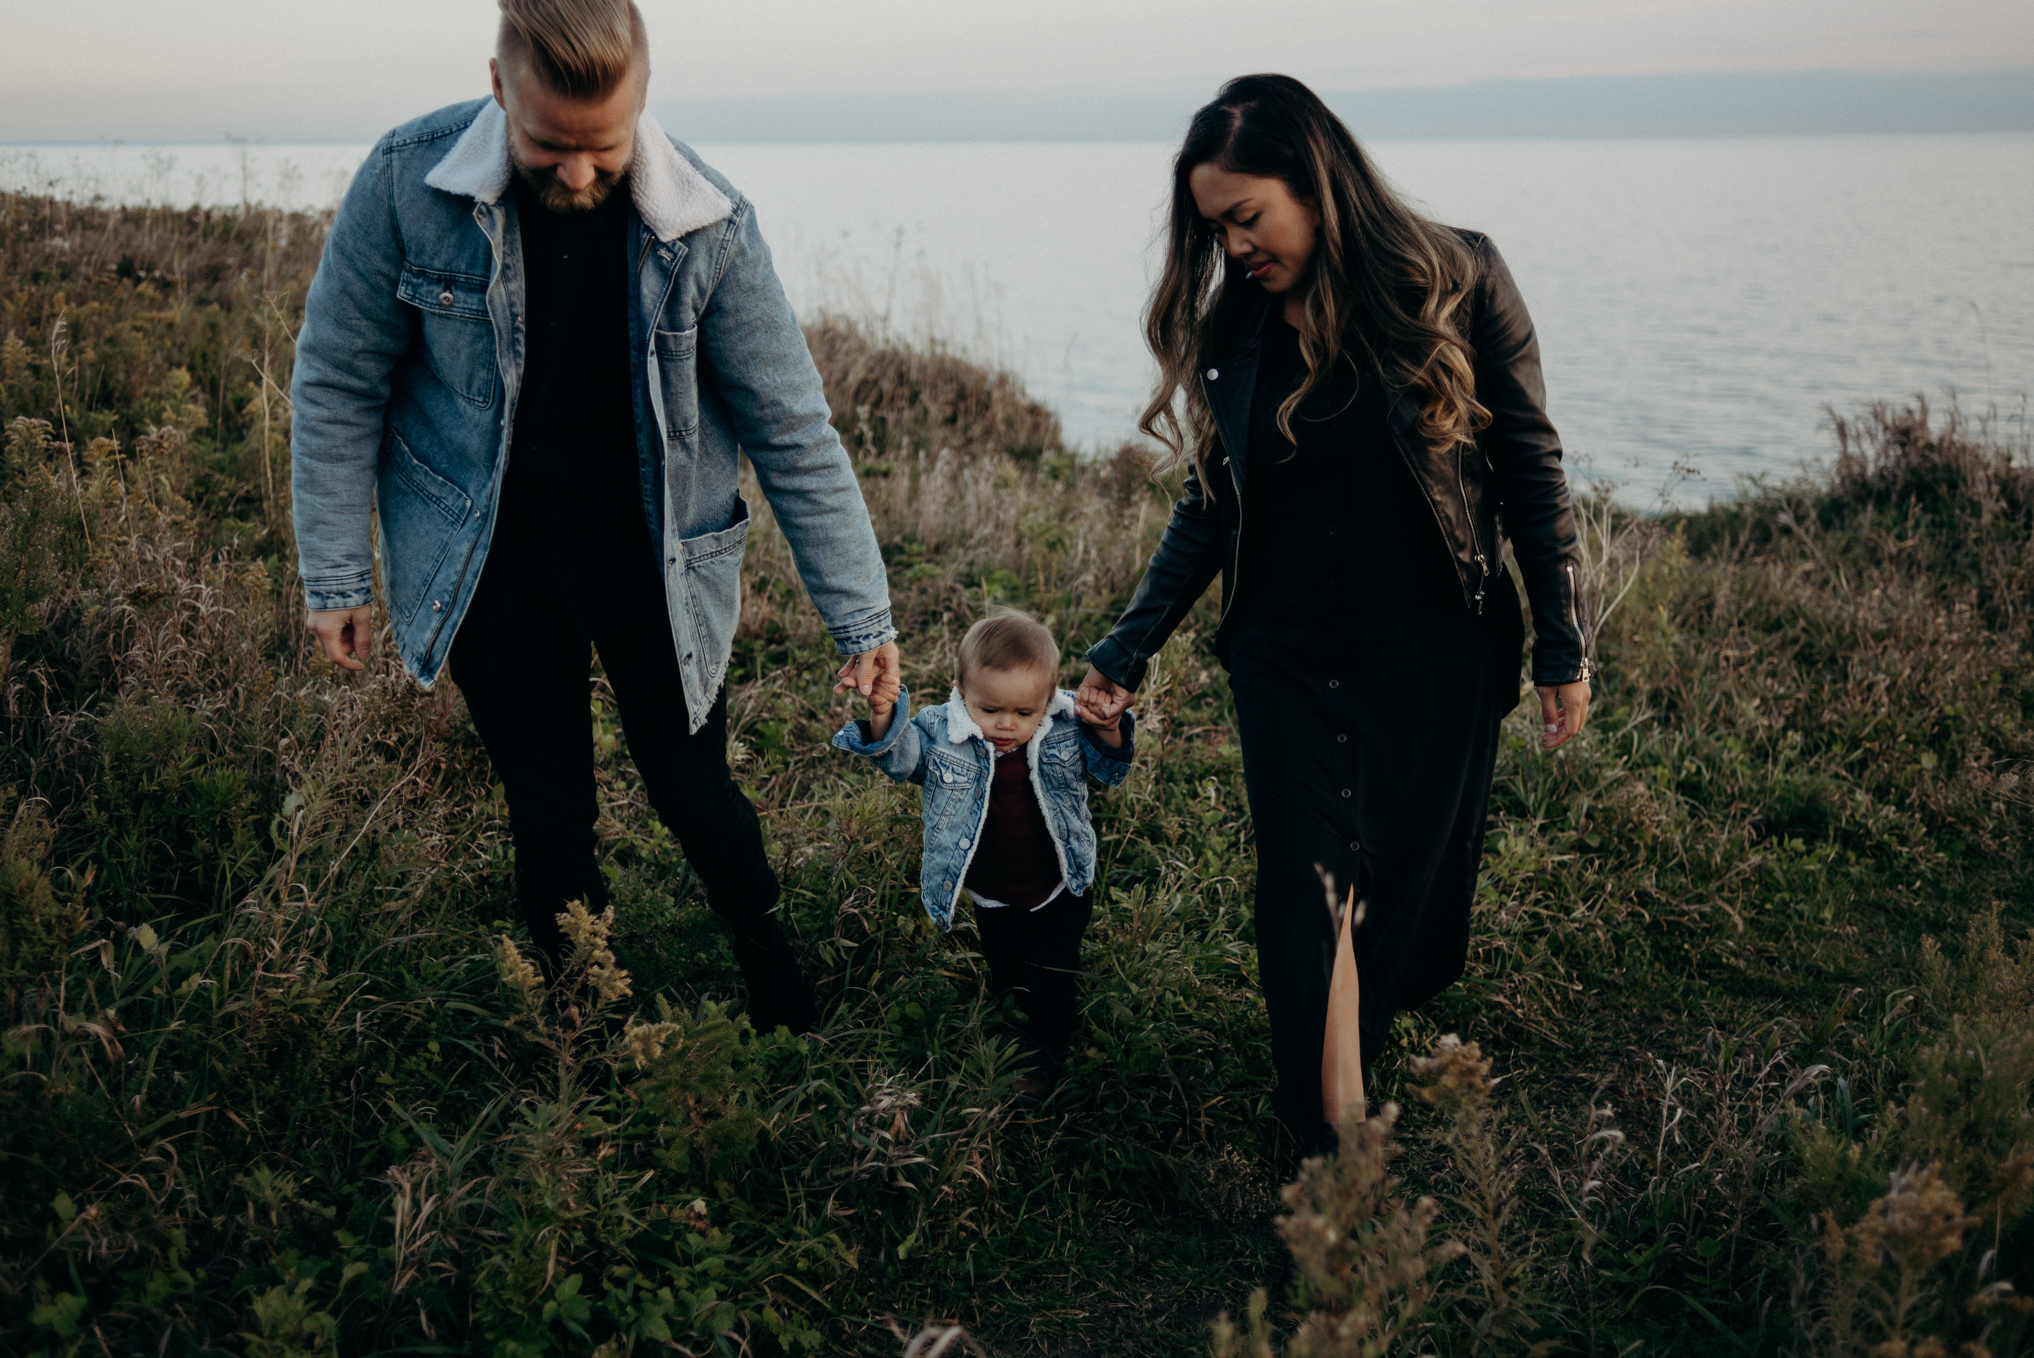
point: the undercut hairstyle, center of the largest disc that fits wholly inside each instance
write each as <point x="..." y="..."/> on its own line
<point x="1009" y="640"/>
<point x="582" y="49"/>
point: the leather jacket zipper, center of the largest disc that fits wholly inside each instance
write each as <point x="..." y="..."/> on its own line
<point x="1575" y="622"/>
<point x="1475" y="539"/>
<point x="1229" y="594"/>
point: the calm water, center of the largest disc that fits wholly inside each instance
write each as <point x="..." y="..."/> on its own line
<point x="1699" y="302"/>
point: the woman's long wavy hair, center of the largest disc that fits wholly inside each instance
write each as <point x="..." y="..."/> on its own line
<point x="1383" y="290"/>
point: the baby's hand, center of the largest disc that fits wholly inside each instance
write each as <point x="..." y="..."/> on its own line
<point x="883" y="696"/>
<point x="1109" y="728"/>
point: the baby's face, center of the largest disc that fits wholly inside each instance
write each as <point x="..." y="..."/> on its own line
<point x="1007" y="704"/>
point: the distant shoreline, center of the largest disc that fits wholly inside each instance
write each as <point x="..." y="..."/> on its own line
<point x="268" y="146"/>
<point x="1687" y="104"/>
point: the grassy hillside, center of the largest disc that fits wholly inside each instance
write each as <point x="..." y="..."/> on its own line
<point x="1751" y="956"/>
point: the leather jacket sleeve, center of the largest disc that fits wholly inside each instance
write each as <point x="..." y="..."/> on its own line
<point x="1524" y="455"/>
<point x="1190" y="555"/>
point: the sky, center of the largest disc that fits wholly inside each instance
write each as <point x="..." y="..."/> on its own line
<point x="281" y="70"/>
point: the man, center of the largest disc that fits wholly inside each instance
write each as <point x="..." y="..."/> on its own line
<point x="540" y="333"/>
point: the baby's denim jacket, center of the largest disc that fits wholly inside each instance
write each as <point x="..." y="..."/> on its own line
<point x="945" y="753"/>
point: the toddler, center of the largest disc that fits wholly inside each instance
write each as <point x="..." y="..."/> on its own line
<point x="1003" y="764"/>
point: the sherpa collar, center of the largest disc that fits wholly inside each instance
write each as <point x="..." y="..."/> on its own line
<point x="671" y="195"/>
<point x="961" y="727"/>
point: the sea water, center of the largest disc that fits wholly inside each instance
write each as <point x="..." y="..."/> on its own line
<point x="1701" y="304"/>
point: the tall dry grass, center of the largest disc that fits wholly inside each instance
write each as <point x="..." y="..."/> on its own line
<point x="271" y="1081"/>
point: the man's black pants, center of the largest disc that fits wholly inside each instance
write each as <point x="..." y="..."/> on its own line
<point x="521" y="662"/>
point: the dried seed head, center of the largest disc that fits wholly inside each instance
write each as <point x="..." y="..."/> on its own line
<point x="1459" y="1073"/>
<point x="516" y="971"/>
<point x="644" y="1043"/>
<point x="1924" y="1220"/>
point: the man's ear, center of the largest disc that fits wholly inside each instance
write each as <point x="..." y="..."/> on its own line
<point x="494" y="77"/>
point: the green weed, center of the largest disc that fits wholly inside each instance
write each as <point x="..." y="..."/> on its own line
<point x="272" y="1080"/>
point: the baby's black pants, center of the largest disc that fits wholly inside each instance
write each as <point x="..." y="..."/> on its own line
<point x="1035" y="956"/>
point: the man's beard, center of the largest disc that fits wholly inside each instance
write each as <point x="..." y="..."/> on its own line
<point x="555" y="196"/>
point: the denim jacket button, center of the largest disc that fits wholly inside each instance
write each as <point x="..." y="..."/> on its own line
<point x="437" y="605"/>
<point x="446" y="298"/>
<point x="1214" y="373"/>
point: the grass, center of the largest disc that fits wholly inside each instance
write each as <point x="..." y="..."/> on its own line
<point x="1751" y="962"/>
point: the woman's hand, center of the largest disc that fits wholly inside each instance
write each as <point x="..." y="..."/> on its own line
<point x="1101" y="698"/>
<point x="1563" y="707"/>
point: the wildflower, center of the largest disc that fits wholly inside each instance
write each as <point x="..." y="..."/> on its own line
<point x="516" y="971"/>
<point x="643" y="1043"/>
<point x="609" y="981"/>
<point x="1923" y="1219"/>
<point x="589" y="934"/>
<point x="586" y="931"/>
<point x="1460" y="1071"/>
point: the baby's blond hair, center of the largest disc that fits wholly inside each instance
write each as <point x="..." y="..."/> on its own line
<point x="1008" y="640"/>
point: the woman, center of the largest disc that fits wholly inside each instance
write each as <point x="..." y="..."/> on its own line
<point x="1357" y="392"/>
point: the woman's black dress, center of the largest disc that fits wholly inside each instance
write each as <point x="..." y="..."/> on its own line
<point x="1369" y="701"/>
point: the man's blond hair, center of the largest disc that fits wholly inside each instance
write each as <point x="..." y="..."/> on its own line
<point x="583" y="49"/>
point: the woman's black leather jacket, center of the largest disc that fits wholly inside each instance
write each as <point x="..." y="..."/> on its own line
<point x="1508" y="482"/>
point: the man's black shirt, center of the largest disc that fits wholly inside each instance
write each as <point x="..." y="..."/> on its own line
<point x="573" y="467"/>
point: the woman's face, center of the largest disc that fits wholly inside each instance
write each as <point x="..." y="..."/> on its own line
<point x="1259" y="222"/>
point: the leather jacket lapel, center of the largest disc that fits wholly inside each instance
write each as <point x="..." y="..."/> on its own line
<point x="1230" y="383"/>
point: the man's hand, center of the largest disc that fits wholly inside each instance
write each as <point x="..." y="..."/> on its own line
<point x="344" y="633"/>
<point x="877" y="675"/>
<point x="1100" y="699"/>
<point x="1563" y="707"/>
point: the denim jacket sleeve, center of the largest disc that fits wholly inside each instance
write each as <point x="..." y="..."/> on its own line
<point x="1189" y="557"/>
<point x="1110" y="764"/>
<point x="902" y="750"/>
<point x="354" y="334"/>
<point x="780" y="416"/>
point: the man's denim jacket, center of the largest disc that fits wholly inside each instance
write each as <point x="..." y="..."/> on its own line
<point x="945" y="753"/>
<point x="411" y="357"/>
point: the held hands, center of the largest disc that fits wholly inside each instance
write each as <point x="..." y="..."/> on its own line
<point x="1100" y="702"/>
<point x="1563" y="709"/>
<point x="877" y="675"/>
<point x="344" y="633"/>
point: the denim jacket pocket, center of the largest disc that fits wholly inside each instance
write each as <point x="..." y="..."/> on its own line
<point x="458" y="335"/>
<point x="678" y="380"/>
<point x="949" y="783"/>
<point x="420" y="511"/>
<point x="712" y="583"/>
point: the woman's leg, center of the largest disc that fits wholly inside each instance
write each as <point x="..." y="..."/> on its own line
<point x="1298" y="761"/>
